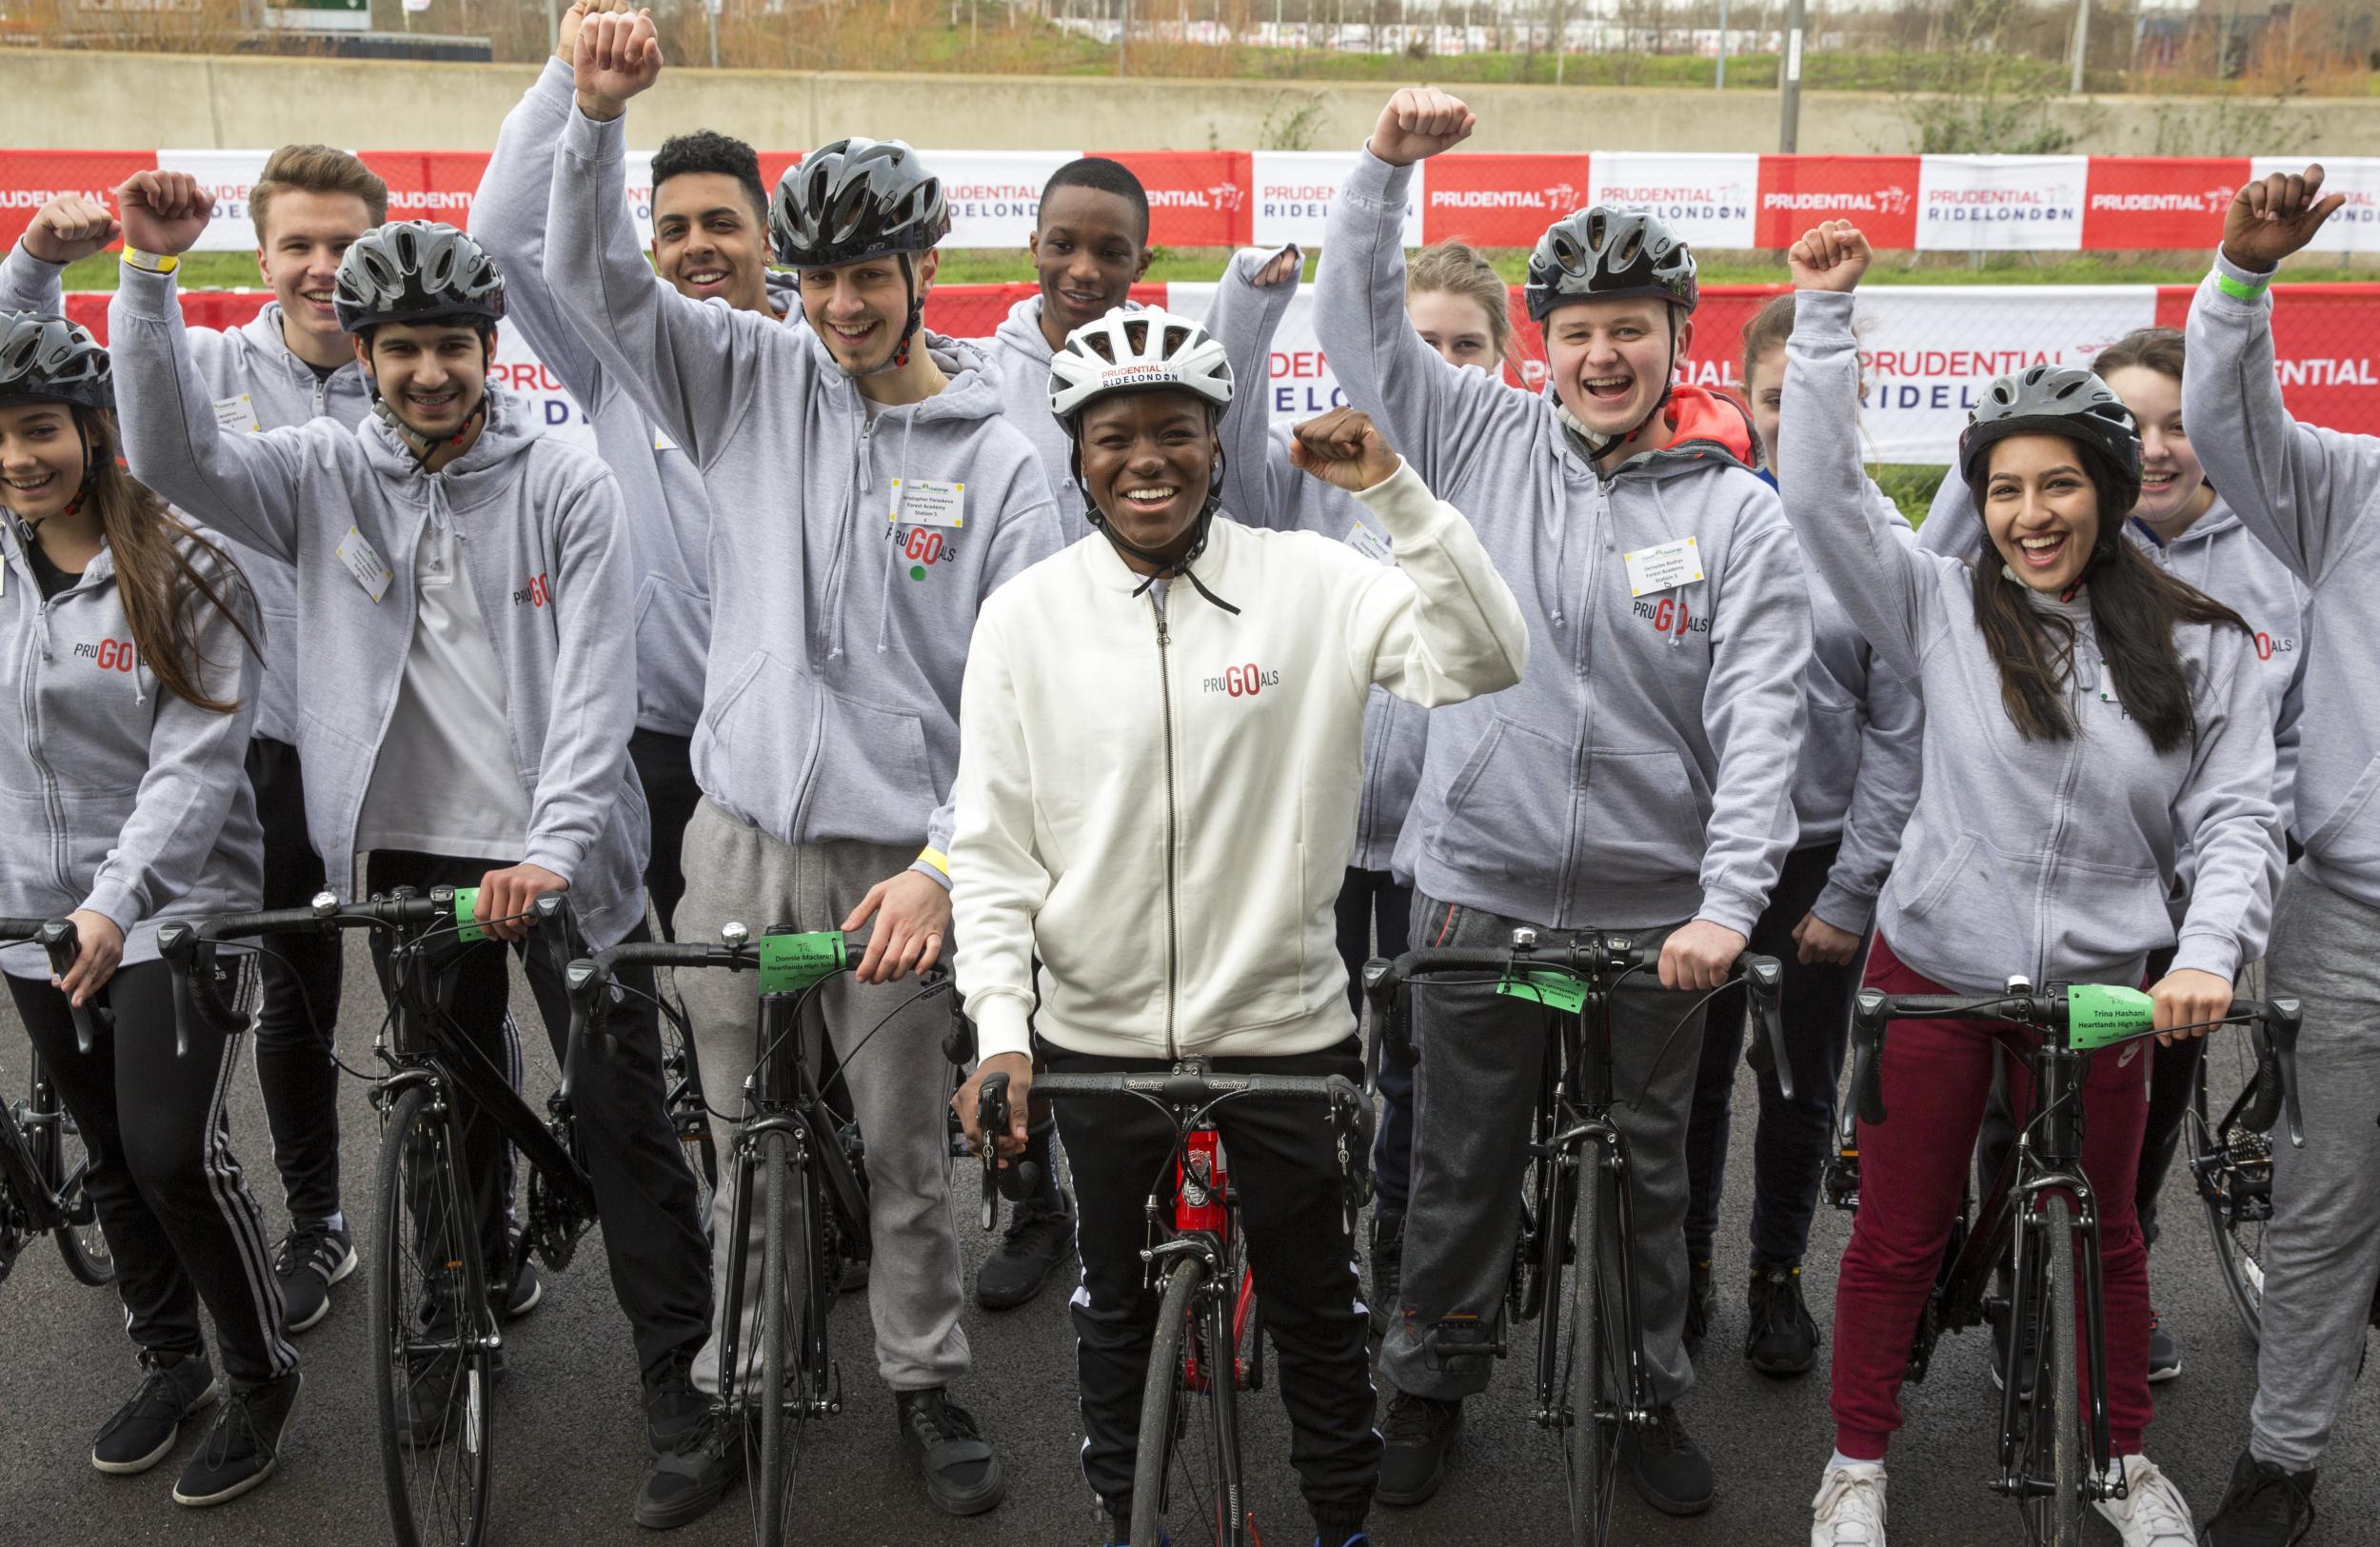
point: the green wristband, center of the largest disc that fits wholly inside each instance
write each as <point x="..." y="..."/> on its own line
<point x="2236" y="290"/>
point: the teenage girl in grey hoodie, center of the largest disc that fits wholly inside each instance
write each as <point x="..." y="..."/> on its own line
<point x="130" y="639"/>
<point x="2086" y="714"/>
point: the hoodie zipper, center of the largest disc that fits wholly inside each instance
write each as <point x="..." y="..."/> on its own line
<point x="1165" y="695"/>
<point x="2065" y="809"/>
<point x="29" y="704"/>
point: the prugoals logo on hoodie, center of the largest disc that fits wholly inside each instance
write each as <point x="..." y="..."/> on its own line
<point x="1241" y="682"/>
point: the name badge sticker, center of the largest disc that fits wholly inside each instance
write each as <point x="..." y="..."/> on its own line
<point x="662" y="441"/>
<point x="1370" y="544"/>
<point x="1678" y="562"/>
<point x="365" y="565"/>
<point x="238" y="415"/>
<point x="928" y="502"/>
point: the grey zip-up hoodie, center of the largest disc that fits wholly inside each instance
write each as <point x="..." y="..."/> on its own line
<point x="2313" y="497"/>
<point x="251" y="361"/>
<point x="538" y="522"/>
<point x="115" y="794"/>
<point x="2049" y="859"/>
<point x="838" y="620"/>
<point x="1263" y="489"/>
<point x="1643" y="772"/>
<point x="2219" y="556"/>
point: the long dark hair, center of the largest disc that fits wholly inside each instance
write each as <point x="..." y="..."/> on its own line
<point x="167" y="571"/>
<point x="2135" y="609"/>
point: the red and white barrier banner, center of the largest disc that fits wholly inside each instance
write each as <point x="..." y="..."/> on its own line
<point x="1232" y="198"/>
<point x="1929" y="351"/>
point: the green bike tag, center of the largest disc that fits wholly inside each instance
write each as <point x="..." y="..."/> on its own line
<point x="2097" y="1013"/>
<point x="792" y="963"/>
<point x="467" y="929"/>
<point x="1555" y="990"/>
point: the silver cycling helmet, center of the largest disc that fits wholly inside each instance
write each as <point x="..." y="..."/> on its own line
<point x="2055" y="400"/>
<point x="48" y="359"/>
<point x="1609" y="253"/>
<point x="1137" y="351"/>
<point x="416" y="270"/>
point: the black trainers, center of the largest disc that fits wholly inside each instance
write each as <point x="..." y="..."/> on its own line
<point x="1039" y="1238"/>
<point x="172" y="1387"/>
<point x="243" y="1446"/>
<point x="1702" y="1299"/>
<point x="687" y="1483"/>
<point x="1780" y="1337"/>
<point x="1388" y="1268"/>
<point x="674" y="1411"/>
<point x="962" y="1474"/>
<point x="311" y="1258"/>
<point x="2264" y="1506"/>
<point x="2165" y="1351"/>
<point x="1667" y="1468"/>
<point x="1419" y="1431"/>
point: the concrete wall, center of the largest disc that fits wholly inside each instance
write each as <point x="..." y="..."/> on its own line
<point x="124" y="101"/>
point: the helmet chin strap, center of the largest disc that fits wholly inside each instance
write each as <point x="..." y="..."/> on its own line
<point x="900" y="357"/>
<point x="30" y="531"/>
<point x="425" y="446"/>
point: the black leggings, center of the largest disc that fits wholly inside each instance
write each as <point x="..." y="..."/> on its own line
<point x="180" y="1221"/>
<point x="299" y="1017"/>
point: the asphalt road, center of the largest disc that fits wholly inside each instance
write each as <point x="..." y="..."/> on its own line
<point x="571" y="1449"/>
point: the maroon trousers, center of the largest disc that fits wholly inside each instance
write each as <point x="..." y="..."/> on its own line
<point x="1912" y="1170"/>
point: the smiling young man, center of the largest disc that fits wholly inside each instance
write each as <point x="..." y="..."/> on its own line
<point x="710" y="242"/>
<point x="1639" y="781"/>
<point x="1090" y="246"/>
<point x="868" y="497"/>
<point x="1070" y="826"/>
<point x="289" y="363"/>
<point x="465" y="704"/>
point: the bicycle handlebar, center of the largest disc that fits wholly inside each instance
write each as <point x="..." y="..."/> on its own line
<point x="1604" y="956"/>
<point x="2275" y="1082"/>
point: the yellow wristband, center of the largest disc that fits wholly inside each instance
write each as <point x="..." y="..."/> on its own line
<point x="938" y="859"/>
<point x="149" y="262"/>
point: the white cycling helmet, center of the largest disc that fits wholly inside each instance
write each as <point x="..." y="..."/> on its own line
<point x="1136" y="351"/>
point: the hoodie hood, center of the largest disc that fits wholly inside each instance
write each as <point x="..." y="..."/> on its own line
<point x="1706" y="427"/>
<point x="1019" y="359"/>
<point x="510" y="429"/>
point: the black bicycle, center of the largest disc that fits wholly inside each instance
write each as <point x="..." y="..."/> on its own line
<point x="1571" y="1273"/>
<point x="1209" y="1346"/>
<point x="2053" y="1453"/>
<point x="432" y="1306"/>
<point x="788" y="1144"/>
<point x="42" y="1157"/>
<point x="2227" y="1130"/>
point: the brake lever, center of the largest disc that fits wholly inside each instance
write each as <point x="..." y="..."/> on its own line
<point x="1764" y="986"/>
<point x="1866" y="1035"/>
<point x="1020" y="1178"/>
<point x="64" y="943"/>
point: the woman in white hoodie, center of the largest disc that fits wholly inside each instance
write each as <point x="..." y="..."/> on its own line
<point x="1159" y="767"/>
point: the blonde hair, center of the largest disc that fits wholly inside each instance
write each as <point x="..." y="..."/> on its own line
<point x="1457" y="268"/>
<point x="316" y="168"/>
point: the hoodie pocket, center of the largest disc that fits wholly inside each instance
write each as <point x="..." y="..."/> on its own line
<point x="672" y="625"/>
<point x="1939" y="880"/>
<point x="873" y="779"/>
<point x="1508" y="808"/>
<point x="2334" y="842"/>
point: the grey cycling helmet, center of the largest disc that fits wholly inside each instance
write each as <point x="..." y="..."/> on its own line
<point x="856" y="199"/>
<point x="2055" y="400"/>
<point x="48" y="359"/>
<point x="1607" y="252"/>
<point x="413" y="272"/>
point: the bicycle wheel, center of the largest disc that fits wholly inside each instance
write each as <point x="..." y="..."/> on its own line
<point x="434" y="1380"/>
<point x="59" y="1154"/>
<point x="785" y="1395"/>
<point x="681" y="1086"/>
<point x="1590" y="1450"/>
<point x="1186" y="1480"/>
<point x="2232" y="1166"/>
<point x="2054" y="1418"/>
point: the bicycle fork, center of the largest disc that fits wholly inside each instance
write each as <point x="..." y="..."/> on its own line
<point x="1594" y="1149"/>
<point x="2030" y="1269"/>
<point x="825" y="1379"/>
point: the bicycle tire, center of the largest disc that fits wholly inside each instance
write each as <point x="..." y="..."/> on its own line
<point x="1190" y="1324"/>
<point x="61" y="1156"/>
<point x="689" y="1115"/>
<point x="2056" y="1413"/>
<point x="424" y="1215"/>
<point x="1589" y="1457"/>
<point x="2239" y="1242"/>
<point x="773" y="1336"/>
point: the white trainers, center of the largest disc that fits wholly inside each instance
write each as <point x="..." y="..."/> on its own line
<point x="2151" y="1513"/>
<point x="1848" y="1511"/>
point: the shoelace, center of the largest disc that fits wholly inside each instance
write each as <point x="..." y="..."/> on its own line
<point x="2270" y="1498"/>
<point x="1017" y="1239"/>
<point x="231" y="1423"/>
<point x="1666" y="1431"/>
<point x="941" y="1418"/>
<point x="1848" y="1494"/>
<point x="160" y="1393"/>
<point x="2152" y="1502"/>
<point x="1410" y="1420"/>
<point x="295" y="1248"/>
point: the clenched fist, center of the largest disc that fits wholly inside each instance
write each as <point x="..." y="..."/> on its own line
<point x="1344" y="449"/>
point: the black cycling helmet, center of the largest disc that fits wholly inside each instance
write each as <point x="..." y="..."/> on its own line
<point x="415" y="271"/>
<point x="1607" y="252"/>
<point x="48" y="359"/>
<point x="856" y="199"/>
<point x="2055" y="400"/>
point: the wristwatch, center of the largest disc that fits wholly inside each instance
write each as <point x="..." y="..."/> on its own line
<point x="149" y="262"/>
